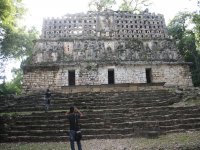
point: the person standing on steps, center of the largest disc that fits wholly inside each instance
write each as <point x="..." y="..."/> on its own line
<point x="47" y="99"/>
<point x="73" y="116"/>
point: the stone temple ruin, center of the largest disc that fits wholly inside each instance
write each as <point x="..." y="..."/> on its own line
<point x="99" y="48"/>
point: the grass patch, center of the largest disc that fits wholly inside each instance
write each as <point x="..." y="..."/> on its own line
<point x="189" y="102"/>
<point x="193" y="102"/>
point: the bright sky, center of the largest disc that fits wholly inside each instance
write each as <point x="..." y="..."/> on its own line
<point x="39" y="9"/>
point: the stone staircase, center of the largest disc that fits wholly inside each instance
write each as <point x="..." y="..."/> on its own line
<point x="106" y="115"/>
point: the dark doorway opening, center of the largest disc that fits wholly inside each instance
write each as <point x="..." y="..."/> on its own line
<point x="148" y="75"/>
<point x="111" y="76"/>
<point x="71" y="77"/>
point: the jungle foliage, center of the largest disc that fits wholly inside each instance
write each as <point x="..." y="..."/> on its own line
<point x="185" y="29"/>
<point x="16" y="42"/>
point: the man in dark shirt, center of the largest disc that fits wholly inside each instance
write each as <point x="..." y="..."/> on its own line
<point x="47" y="99"/>
<point x="73" y="116"/>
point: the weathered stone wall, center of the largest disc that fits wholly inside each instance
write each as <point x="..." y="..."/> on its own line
<point x="106" y="50"/>
<point x="40" y="78"/>
<point x="109" y="24"/>
<point x="172" y="74"/>
<point x="91" y="44"/>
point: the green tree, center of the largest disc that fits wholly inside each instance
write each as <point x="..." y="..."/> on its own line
<point x="10" y="12"/>
<point x="196" y="30"/>
<point x="101" y="5"/>
<point x="14" y="86"/>
<point x="21" y="48"/>
<point x="134" y="5"/>
<point x="180" y="29"/>
<point x="19" y="43"/>
<point x="16" y="42"/>
<point x="196" y="21"/>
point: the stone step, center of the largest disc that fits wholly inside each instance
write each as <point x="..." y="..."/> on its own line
<point x="100" y="132"/>
<point x="185" y="127"/>
<point x="179" y="130"/>
<point x="105" y="122"/>
<point x="95" y="125"/>
<point x="62" y="138"/>
<point x="54" y="122"/>
<point x="106" y="115"/>
<point x="167" y="109"/>
<point x="117" y="97"/>
<point x="125" y="130"/>
<point x="66" y="107"/>
<point x="116" y="113"/>
<point x="86" y="102"/>
<point x="57" y="132"/>
<point x="105" y="94"/>
<point x="28" y="120"/>
<point x="28" y="138"/>
<point x="85" y="105"/>
<point x="112" y="116"/>
<point x="165" y="112"/>
<point x="178" y="121"/>
<point x="98" y="97"/>
<point x="120" y="102"/>
<point x="165" y="117"/>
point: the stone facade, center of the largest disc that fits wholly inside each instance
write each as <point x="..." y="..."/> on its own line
<point x="111" y="24"/>
<point x="105" y="48"/>
<point x="108" y="50"/>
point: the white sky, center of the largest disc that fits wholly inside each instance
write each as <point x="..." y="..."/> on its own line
<point x="39" y="9"/>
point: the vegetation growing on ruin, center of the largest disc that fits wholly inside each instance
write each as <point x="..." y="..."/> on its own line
<point x="187" y="40"/>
